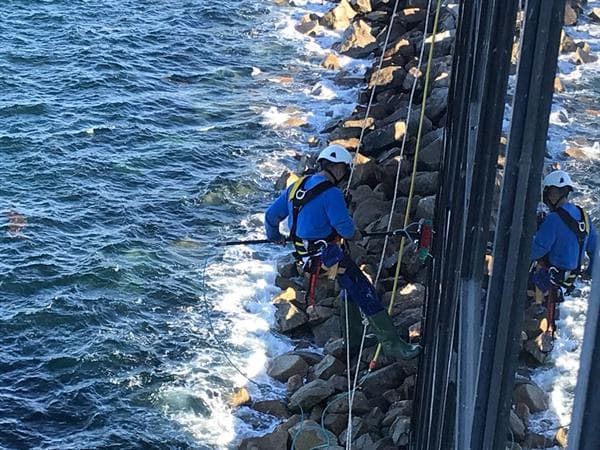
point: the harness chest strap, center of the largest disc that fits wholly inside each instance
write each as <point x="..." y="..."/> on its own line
<point x="299" y="197"/>
<point x="581" y="229"/>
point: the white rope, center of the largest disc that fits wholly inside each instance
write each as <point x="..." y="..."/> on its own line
<point x="403" y="146"/>
<point x="394" y="200"/>
<point x="349" y="378"/>
<point x="352" y="385"/>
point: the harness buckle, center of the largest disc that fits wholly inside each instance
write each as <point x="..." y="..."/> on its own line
<point x="581" y="226"/>
<point x="300" y="194"/>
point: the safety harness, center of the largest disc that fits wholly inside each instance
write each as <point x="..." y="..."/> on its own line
<point x="581" y="229"/>
<point x="308" y="249"/>
<point x="561" y="278"/>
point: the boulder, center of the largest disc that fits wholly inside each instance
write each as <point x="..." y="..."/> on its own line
<point x="309" y="25"/>
<point x="430" y="156"/>
<point x="400" y="430"/>
<point x="311" y="358"/>
<point x="277" y="440"/>
<point x="402" y="46"/>
<point x="289" y="317"/>
<point x="310" y="395"/>
<point x="284" y="366"/>
<point x="381" y="380"/>
<point x="339" y="404"/>
<point x="239" y="397"/>
<point x="366" y="172"/>
<point x="308" y="434"/>
<point x="366" y="213"/>
<point x="537" y="441"/>
<point x="275" y="408"/>
<point x="326" y="330"/>
<point x="567" y="43"/>
<point x="388" y="136"/>
<point x="408" y="297"/>
<point x="437" y="104"/>
<point x="364" y="442"/>
<point x="336" y="423"/>
<point x="362" y="6"/>
<point x="426" y="183"/>
<point x="331" y="62"/>
<point x="318" y="314"/>
<point x="522" y="410"/>
<point x="413" y="76"/>
<point x="358" y="429"/>
<point x="570" y="15"/>
<point x="397" y="409"/>
<point x="339" y="383"/>
<point x="517" y="427"/>
<point x="286" y="267"/>
<point x="595" y="15"/>
<point x="336" y="347"/>
<point x="558" y="85"/>
<point x="339" y="17"/>
<point x="293" y="384"/>
<point x="358" y="41"/>
<point x="532" y="396"/>
<point x="562" y="435"/>
<point x="387" y="77"/>
<point x="327" y="367"/>
<point x="426" y="207"/>
<point x="583" y="56"/>
<point x="410" y="17"/>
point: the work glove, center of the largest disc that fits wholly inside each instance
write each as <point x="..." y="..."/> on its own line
<point x="542" y="279"/>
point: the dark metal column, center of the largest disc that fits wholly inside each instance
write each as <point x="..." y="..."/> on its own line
<point x="584" y="433"/>
<point x="516" y="222"/>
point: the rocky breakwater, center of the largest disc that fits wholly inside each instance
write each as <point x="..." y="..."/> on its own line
<point x="316" y="409"/>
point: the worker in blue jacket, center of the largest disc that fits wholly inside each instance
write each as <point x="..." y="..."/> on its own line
<point x="318" y="219"/>
<point x="561" y="241"/>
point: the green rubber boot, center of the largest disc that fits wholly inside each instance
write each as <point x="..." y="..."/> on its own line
<point x="393" y="345"/>
<point x="356" y="326"/>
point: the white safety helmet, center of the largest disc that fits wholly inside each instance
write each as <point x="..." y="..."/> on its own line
<point x="335" y="153"/>
<point x="559" y="179"/>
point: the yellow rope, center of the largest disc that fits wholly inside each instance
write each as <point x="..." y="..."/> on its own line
<point x="414" y="170"/>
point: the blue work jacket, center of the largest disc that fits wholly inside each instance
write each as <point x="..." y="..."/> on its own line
<point x="555" y="241"/>
<point x="317" y="219"/>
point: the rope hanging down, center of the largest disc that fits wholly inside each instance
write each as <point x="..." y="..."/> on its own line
<point x="352" y="391"/>
<point x="414" y="169"/>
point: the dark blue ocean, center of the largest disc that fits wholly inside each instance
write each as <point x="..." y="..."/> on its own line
<point x="130" y="130"/>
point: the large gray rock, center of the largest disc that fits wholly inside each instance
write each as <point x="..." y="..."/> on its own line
<point x="400" y="430"/>
<point x="327" y="367"/>
<point x="286" y="266"/>
<point x="437" y="103"/>
<point x="397" y="409"/>
<point x="532" y="396"/>
<point x="275" y="408"/>
<point x="339" y="404"/>
<point x="289" y="317"/>
<point x="358" y="41"/>
<point x="381" y="380"/>
<point x="517" y="427"/>
<point x="308" y="435"/>
<point x="362" y="6"/>
<point x="426" y="207"/>
<point x="277" y="440"/>
<point x="336" y="423"/>
<point x="426" y="183"/>
<point x="368" y="212"/>
<point x="310" y="395"/>
<point x="284" y="366"/>
<point x="318" y="314"/>
<point x="330" y="329"/>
